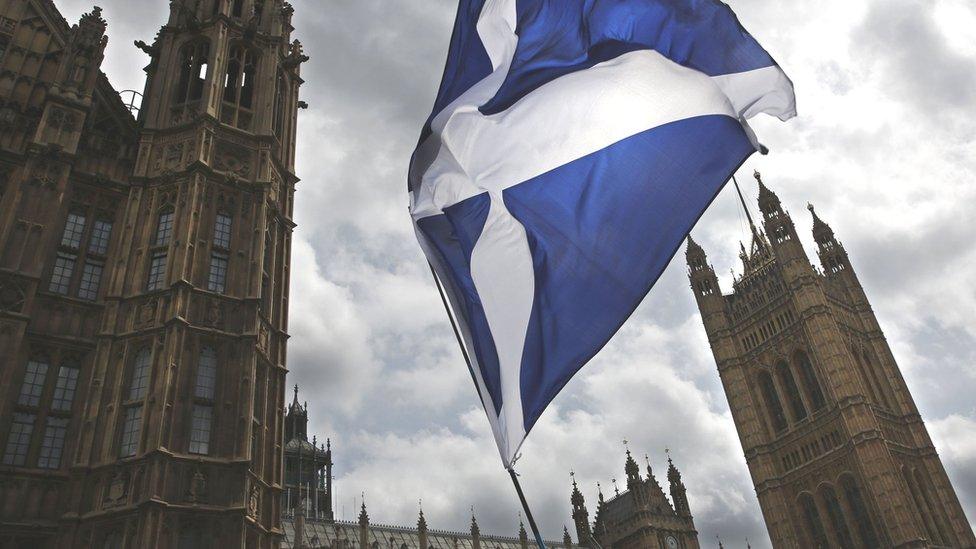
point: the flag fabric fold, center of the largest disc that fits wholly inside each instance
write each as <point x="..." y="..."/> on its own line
<point x="572" y="146"/>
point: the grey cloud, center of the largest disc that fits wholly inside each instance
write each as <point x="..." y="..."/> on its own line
<point x="375" y="355"/>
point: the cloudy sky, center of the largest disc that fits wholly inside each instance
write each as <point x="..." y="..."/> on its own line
<point x="884" y="146"/>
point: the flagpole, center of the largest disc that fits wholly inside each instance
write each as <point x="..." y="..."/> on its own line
<point x="525" y="507"/>
<point x="467" y="360"/>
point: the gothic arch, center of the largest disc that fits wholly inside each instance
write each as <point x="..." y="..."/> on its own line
<point x="836" y="518"/>
<point x="773" y="404"/>
<point x="809" y="379"/>
<point x="859" y="513"/>
<point x="193" y="69"/>
<point x="933" y="505"/>
<point x="812" y="521"/>
<point x="788" y="382"/>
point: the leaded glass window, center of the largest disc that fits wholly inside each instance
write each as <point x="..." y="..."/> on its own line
<point x="91" y="278"/>
<point x="157" y="272"/>
<point x="52" y="445"/>
<point x="222" y="227"/>
<point x="64" y="390"/>
<point x="164" y="229"/>
<point x="131" y="429"/>
<point x="64" y="267"/>
<point x="139" y="384"/>
<point x="34" y="375"/>
<point x="101" y="234"/>
<point x="74" y="227"/>
<point x="217" y="280"/>
<point x="19" y="440"/>
<point x="206" y="374"/>
<point x="200" y="430"/>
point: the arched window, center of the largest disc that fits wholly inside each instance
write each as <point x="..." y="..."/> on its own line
<point x="861" y="518"/>
<point x="238" y="8"/>
<point x="835" y="514"/>
<point x="934" y="508"/>
<point x="811" y="518"/>
<point x="921" y="506"/>
<point x="239" y="85"/>
<point x="773" y="405"/>
<point x="194" y="59"/>
<point x="809" y="379"/>
<point x="279" y="105"/>
<point x="881" y="380"/>
<point x="112" y="540"/>
<point x="792" y="391"/>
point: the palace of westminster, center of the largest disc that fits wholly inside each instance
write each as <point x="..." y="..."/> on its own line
<point x="144" y="293"/>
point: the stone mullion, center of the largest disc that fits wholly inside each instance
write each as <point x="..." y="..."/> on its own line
<point x="825" y="520"/>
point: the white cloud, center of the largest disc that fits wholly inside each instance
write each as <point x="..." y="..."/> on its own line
<point x="883" y="146"/>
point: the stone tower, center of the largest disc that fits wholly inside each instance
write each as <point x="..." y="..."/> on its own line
<point x="144" y="279"/>
<point x="641" y="517"/>
<point x="835" y="445"/>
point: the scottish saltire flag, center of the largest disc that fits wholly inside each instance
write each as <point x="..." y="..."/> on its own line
<point x="572" y="146"/>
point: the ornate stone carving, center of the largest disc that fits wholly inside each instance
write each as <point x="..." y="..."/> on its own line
<point x="254" y="501"/>
<point x="234" y="160"/>
<point x="147" y="311"/>
<point x="12" y="294"/>
<point x="197" y="491"/>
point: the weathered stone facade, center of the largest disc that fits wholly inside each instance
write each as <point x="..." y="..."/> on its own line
<point x="837" y="450"/>
<point x="144" y="279"/>
<point x="640" y="517"/>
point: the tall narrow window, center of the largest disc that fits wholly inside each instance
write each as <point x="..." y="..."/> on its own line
<point x="64" y="390"/>
<point x="91" y="278"/>
<point x="131" y="429"/>
<point x="52" y="445"/>
<point x="206" y="374"/>
<point x="861" y="518"/>
<point x="217" y="280"/>
<point x="792" y="391"/>
<point x="809" y="377"/>
<point x="239" y="82"/>
<point x="815" y="529"/>
<point x="279" y="106"/>
<point x="164" y="228"/>
<point x="838" y="521"/>
<point x="238" y="8"/>
<point x="100" y="236"/>
<point x="139" y="384"/>
<point x="157" y="271"/>
<point x="74" y="227"/>
<point x="19" y="440"/>
<point x="30" y="390"/>
<point x="222" y="225"/>
<point x="193" y="72"/>
<point x="200" y="430"/>
<point x="64" y="267"/>
<point x="773" y="405"/>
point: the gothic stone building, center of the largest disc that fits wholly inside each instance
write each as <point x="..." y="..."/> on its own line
<point x="308" y="520"/>
<point x="144" y="279"/>
<point x="641" y="517"/>
<point x="837" y="450"/>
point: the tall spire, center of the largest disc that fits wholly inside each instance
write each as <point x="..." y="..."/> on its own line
<point x="581" y="517"/>
<point x="567" y="539"/>
<point x="822" y="232"/>
<point x="769" y="203"/>
<point x="632" y="470"/>
<point x="678" y="493"/>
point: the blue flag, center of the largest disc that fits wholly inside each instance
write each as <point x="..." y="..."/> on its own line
<point x="572" y="146"/>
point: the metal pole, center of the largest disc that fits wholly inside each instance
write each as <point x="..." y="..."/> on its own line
<point x="525" y="507"/>
<point x="467" y="360"/>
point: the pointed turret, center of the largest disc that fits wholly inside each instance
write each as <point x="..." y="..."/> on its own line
<point x="704" y="282"/>
<point x="769" y="203"/>
<point x="581" y="517"/>
<point x="678" y="493"/>
<point x="422" y="526"/>
<point x="633" y="472"/>
<point x="567" y="539"/>
<point x="363" y="524"/>
<point x="523" y="535"/>
<point x="475" y="532"/>
<point x="296" y="420"/>
<point x="833" y="256"/>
